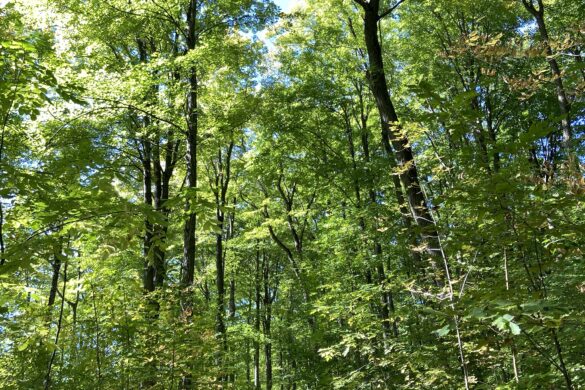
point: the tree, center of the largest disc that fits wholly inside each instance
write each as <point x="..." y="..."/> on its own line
<point x="351" y="194"/>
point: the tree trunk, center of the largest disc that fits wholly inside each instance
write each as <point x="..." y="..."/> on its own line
<point x="190" y="225"/>
<point x="159" y="236"/>
<point x="395" y="143"/>
<point x="2" y="249"/>
<point x="188" y="266"/>
<point x="148" y="272"/>
<point x="268" y="298"/>
<point x="257" y="324"/>
<point x="563" y="101"/>
<point x="220" y="286"/>
<point x="55" y="278"/>
<point x="59" y="327"/>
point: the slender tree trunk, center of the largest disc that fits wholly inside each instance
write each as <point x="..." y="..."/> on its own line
<point x="154" y="176"/>
<point x="222" y="180"/>
<point x="2" y="248"/>
<point x="562" y="365"/>
<point x="159" y="235"/>
<point x="59" y="327"/>
<point x="149" y="251"/>
<point x="268" y="297"/>
<point x="492" y="131"/>
<point x="220" y="287"/>
<point x="268" y="350"/>
<point x="148" y="272"/>
<point x="55" y="279"/>
<point x="513" y="344"/>
<point x="562" y="99"/>
<point x="97" y="339"/>
<point x="249" y="319"/>
<point x="287" y="195"/>
<point x="257" y="324"/>
<point x="232" y="318"/>
<point x="386" y="296"/>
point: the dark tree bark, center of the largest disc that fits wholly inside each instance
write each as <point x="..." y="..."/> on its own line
<point x="55" y="278"/>
<point x="395" y="143"/>
<point x="148" y="272"/>
<point x="257" y="300"/>
<point x="397" y="146"/>
<point x="146" y="153"/>
<point x="564" y="105"/>
<point x="189" y="228"/>
<point x="59" y="327"/>
<point x="269" y="296"/>
<point x="232" y="298"/>
<point x="158" y="254"/>
<point x="192" y="114"/>
<point x="220" y="186"/>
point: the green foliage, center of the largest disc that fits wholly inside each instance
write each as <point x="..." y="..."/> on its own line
<point x="309" y="270"/>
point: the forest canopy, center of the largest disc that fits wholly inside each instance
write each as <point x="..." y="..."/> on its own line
<point x="314" y="194"/>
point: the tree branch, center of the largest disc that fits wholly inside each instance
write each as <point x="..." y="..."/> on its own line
<point x="390" y="10"/>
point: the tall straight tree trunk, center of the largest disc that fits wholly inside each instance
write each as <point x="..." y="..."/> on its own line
<point x="158" y="252"/>
<point x="257" y="323"/>
<point x="268" y="299"/>
<point x="189" y="228"/>
<point x="148" y="272"/>
<point x="188" y="266"/>
<point x="222" y="180"/>
<point x="155" y="233"/>
<point x="220" y="286"/>
<point x="249" y="318"/>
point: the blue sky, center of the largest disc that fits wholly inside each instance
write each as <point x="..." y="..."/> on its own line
<point x="286" y="5"/>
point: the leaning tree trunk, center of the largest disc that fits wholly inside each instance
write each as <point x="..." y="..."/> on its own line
<point x="397" y="145"/>
<point x="395" y="142"/>
<point x="562" y="98"/>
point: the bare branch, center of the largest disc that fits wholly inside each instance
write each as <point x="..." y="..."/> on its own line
<point x="390" y="10"/>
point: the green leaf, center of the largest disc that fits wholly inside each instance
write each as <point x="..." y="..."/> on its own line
<point x="24" y="345"/>
<point x="443" y="331"/>
<point x="514" y="328"/>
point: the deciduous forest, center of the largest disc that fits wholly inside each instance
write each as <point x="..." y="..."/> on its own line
<point x="309" y="194"/>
